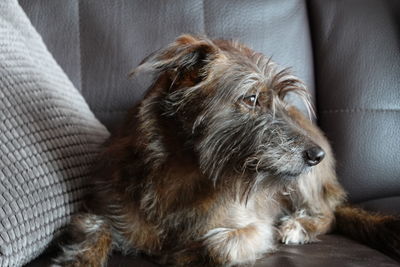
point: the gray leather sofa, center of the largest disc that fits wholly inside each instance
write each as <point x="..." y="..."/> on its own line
<point x="347" y="51"/>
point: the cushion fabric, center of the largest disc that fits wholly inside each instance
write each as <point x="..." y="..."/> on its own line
<point x="48" y="141"/>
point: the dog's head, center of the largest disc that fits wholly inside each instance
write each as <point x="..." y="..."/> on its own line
<point x="228" y="103"/>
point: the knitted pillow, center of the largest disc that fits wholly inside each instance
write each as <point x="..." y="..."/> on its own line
<point x="48" y="141"/>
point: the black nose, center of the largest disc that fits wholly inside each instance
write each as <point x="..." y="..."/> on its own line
<point x="314" y="155"/>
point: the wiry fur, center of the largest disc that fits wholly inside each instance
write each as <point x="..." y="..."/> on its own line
<point x="89" y="242"/>
<point x="200" y="175"/>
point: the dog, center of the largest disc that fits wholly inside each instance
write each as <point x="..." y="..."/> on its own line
<point x="214" y="167"/>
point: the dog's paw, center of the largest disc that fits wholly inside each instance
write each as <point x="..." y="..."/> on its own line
<point x="292" y="233"/>
<point x="239" y="246"/>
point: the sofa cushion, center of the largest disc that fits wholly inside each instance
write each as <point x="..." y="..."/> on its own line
<point x="48" y="140"/>
<point x="114" y="36"/>
<point x="57" y="22"/>
<point x="357" y="70"/>
<point x="332" y="251"/>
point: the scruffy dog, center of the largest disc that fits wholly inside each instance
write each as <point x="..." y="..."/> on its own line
<point x="213" y="167"/>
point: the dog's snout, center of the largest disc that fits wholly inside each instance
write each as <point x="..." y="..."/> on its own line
<point x="314" y="155"/>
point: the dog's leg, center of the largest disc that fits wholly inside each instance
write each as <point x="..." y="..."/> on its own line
<point x="232" y="246"/>
<point x="301" y="228"/>
<point x="88" y="243"/>
<point x="313" y="212"/>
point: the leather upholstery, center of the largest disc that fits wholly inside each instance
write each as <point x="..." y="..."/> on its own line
<point x="114" y="36"/>
<point x="357" y="66"/>
<point x="350" y="49"/>
<point x="58" y="24"/>
<point x="332" y="251"/>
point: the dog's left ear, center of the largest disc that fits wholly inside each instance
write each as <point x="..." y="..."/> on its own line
<point x="186" y="53"/>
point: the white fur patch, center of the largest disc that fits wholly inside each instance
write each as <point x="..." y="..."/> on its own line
<point x="241" y="245"/>
<point x="293" y="233"/>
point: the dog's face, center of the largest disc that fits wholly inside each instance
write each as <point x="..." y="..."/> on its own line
<point x="230" y="106"/>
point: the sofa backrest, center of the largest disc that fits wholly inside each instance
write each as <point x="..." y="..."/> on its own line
<point x="357" y="70"/>
<point x="347" y="50"/>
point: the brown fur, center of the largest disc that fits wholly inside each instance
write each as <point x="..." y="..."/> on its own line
<point x="90" y="242"/>
<point x="376" y="230"/>
<point x="186" y="183"/>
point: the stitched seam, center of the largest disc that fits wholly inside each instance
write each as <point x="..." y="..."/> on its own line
<point x="110" y="111"/>
<point x="79" y="45"/>
<point x="355" y="110"/>
<point x="364" y="201"/>
<point x="311" y="33"/>
<point x="204" y="19"/>
<point x="323" y="111"/>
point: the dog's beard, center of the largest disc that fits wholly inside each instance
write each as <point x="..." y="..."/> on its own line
<point x="261" y="149"/>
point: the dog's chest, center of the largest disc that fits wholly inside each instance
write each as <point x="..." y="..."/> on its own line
<point x="259" y="209"/>
<point x="243" y="230"/>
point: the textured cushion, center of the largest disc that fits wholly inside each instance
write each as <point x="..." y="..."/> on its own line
<point x="48" y="140"/>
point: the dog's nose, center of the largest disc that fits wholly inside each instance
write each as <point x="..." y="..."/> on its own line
<point x="314" y="155"/>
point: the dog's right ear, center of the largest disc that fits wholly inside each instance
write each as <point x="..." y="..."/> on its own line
<point x="186" y="53"/>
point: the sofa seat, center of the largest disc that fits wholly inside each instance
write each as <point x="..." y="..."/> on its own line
<point x="331" y="251"/>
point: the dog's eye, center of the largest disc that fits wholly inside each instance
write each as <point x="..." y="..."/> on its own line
<point x="251" y="101"/>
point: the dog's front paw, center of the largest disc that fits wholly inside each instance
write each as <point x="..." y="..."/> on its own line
<point x="292" y="232"/>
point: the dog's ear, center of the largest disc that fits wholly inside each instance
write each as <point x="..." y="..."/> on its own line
<point x="186" y="53"/>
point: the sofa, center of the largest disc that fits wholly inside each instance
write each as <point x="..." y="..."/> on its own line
<point x="346" y="51"/>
